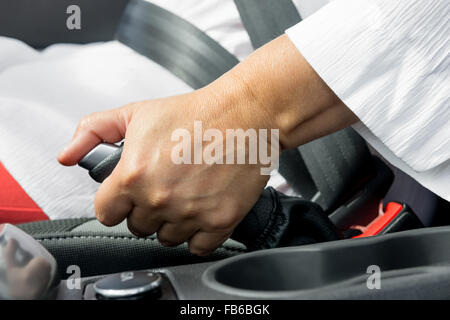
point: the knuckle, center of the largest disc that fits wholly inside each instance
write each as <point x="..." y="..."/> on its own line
<point x="189" y="211"/>
<point x="136" y="230"/>
<point x="165" y="239"/>
<point x="104" y="219"/>
<point x="104" y="216"/>
<point x="132" y="175"/>
<point x="160" y="198"/>
<point x="86" y="121"/>
<point x="223" y="221"/>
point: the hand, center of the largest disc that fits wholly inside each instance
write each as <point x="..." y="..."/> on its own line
<point x="275" y="88"/>
<point x="199" y="203"/>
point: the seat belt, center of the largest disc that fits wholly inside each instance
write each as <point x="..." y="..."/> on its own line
<point x="324" y="170"/>
<point x="174" y="43"/>
<point x="265" y="20"/>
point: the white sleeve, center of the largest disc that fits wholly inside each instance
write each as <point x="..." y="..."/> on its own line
<point x="388" y="61"/>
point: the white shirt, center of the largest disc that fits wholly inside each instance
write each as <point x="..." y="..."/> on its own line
<point x="39" y="114"/>
<point x="389" y="62"/>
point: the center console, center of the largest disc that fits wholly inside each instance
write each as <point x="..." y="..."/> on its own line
<point x="405" y="265"/>
<point x="409" y="265"/>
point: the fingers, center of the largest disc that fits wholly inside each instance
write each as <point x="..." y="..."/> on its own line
<point x="204" y="243"/>
<point x="142" y="222"/>
<point x="108" y="126"/>
<point x="171" y="234"/>
<point x="112" y="204"/>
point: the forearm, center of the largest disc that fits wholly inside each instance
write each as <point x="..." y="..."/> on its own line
<point x="278" y="85"/>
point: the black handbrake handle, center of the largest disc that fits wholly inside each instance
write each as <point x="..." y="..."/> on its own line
<point x="101" y="161"/>
<point x="275" y="220"/>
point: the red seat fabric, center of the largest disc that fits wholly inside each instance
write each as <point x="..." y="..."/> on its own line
<point x="15" y="205"/>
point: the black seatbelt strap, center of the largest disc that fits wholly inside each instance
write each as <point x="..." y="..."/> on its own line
<point x="326" y="169"/>
<point x="174" y="43"/>
<point x="265" y="20"/>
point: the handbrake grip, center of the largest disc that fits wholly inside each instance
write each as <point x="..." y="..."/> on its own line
<point x="101" y="161"/>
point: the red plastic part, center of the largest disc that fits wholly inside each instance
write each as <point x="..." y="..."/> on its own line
<point x="377" y="225"/>
<point x="15" y="205"/>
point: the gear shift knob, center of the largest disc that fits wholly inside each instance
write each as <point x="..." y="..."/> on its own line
<point x="27" y="269"/>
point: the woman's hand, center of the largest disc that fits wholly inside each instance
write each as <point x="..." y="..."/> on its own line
<point x="199" y="203"/>
<point x="275" y="88"/>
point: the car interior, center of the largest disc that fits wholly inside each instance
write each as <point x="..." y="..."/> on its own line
<point x="352" y="214"/>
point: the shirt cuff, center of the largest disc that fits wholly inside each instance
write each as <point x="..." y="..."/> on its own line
<point x="388" y="62"/>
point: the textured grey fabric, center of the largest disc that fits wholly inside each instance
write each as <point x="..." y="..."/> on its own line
<point x="94" y="227"/>
<point x="97" y="249"/>
<point x="337" y="164"/>
<point x="328" y="170"/>
<point x="52" y="226"/>
<point x="293" y="168"/>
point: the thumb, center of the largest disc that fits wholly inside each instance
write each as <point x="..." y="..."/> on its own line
<point x="107" y="126"/>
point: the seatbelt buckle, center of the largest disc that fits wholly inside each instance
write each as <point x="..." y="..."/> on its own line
<point x="363" y="207"/>
<point x="394" y="218"/>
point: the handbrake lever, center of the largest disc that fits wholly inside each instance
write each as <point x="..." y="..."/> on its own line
<point x="275" y="220"/>
<point x="102" y="160"/>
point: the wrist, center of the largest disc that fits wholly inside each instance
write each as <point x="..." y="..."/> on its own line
<point x="235" y="99"/>
<point x="264" y="90"/>
<point x="282" y="87"/>
<point x="276" y="88"/>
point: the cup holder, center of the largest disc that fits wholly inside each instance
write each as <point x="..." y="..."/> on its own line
<point x="317" y="266"/>
<point x="277" y="271"/>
